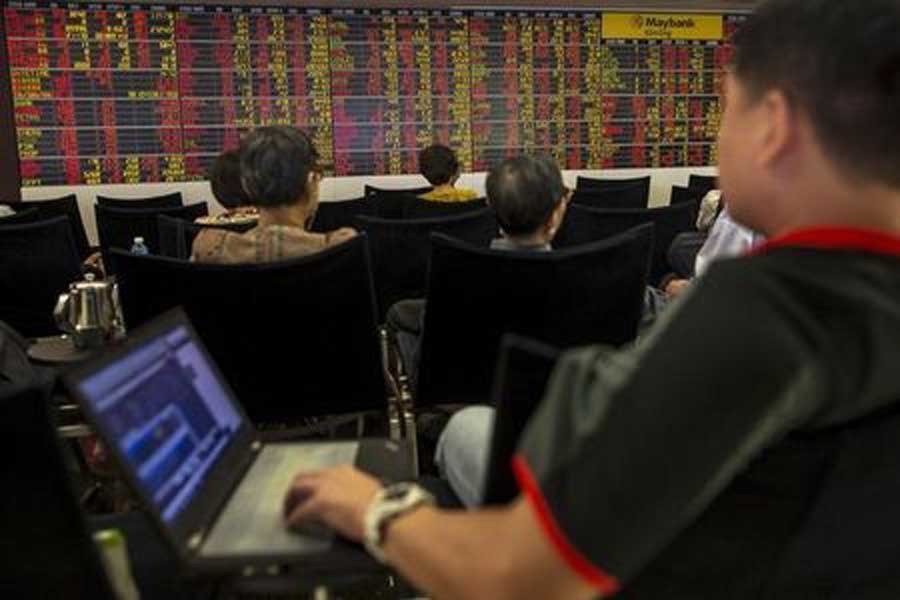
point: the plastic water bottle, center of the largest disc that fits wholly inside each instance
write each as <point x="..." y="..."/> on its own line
<point x="114" y="556"/>
<point x="139" y="247"/>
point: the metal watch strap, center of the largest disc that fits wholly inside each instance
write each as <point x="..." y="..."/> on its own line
<point x="388" y="504"/>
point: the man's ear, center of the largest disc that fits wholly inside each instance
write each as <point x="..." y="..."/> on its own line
<point x="777" y="128"/>
<point x="556" y="217"/>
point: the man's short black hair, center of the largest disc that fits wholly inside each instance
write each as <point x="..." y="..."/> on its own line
<point x="225" y="180"/>
<point x="438" y="164"/>
<point x="524" y="191"/>
<point x="838" y="62"/>
<point x="275" y="165"/>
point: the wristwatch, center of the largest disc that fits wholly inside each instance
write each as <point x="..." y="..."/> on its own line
<point x="388" y="504"/>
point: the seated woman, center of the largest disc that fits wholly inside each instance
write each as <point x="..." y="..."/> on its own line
<point x="440" y="167"/>
<point x="280" y="175"/>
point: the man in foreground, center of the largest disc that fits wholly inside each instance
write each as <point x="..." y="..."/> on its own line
<point x="751" y="447"/>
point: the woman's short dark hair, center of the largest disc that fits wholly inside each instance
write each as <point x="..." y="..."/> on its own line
<point x="839" y="63"/>
<point x="524" y="191"/>
<point x="438" y="164"/>
<point x="225" y="180"/>
<point x="275" y="165"/>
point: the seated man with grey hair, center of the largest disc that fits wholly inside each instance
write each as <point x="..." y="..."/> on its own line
<point x="529" y="197"/>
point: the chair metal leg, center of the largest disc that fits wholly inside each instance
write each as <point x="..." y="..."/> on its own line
<point x="409" y="418"/>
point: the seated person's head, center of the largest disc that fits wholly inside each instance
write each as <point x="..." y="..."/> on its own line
<point x="529" y="197"/>
<point x="279" y="169"/>
<point x="811" y="125"/>
<point x="439" y="165"/>
<point x="225" y="180"/>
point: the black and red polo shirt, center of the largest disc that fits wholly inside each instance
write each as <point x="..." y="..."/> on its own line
<point x="750" y="447"/>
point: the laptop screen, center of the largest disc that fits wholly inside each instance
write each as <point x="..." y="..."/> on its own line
<point x="169" y="414"/>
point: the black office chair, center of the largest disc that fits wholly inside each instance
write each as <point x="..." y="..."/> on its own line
<point x="38" y="261"/>
<point x="681" y="194"/>
<point x="522" y="373"/>
<point x="117" y="227"/>
<point x="632" y="196"/>
<point x="368" y="190"/>
<point x="583" y="225"/>
<point x="294" y="339"/>
<point x="22" y="216"/>
<point x="42" y="210"/>
<point x="703" y="182"/>
<point x="342" y="213"/>
<point x="172" y="200"/>
<point x="46" y="549"/>
<point x="400" y="250"/>
<point x="591" y="294"/>
<point x="594" y="184"/>
<point x="176" y="236"/>
<point x="427" y="209"/>
<point x="391" y="203"/>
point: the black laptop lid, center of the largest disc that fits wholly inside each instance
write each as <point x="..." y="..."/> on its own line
<point x="166" y="413"/>
<point x="523" y="370"/>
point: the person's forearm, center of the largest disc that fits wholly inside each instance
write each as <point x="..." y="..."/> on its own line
<point x="449" y="554"/>
<point x="485" y="554"/>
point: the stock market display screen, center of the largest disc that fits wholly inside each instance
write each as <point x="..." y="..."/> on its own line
<point x="137" y="93"/>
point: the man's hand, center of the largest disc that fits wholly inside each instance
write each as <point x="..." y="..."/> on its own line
<point x="337" y="497"/>
<point x="676" y="286"/>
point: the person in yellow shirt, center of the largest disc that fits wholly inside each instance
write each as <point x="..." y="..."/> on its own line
<point x="440" y="167"/>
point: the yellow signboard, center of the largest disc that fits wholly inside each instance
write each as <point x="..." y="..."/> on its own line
<point x="662" y="26"/>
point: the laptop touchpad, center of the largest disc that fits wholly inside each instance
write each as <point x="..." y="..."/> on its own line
<point x="252" y="522"/>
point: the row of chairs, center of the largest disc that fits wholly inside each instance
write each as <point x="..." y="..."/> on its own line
<point x="322" y="309"/>
<point x="67" y="206"/>
<point x="623" y="194"/>
<point x="376" y="202"/>
<point x="400" y="249"/>
<point x="253" y="311"/>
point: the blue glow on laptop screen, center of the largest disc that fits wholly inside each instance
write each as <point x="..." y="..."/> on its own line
<point x="169" y="414"/>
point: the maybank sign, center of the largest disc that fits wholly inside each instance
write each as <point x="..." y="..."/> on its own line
<point x="661" y="26"/>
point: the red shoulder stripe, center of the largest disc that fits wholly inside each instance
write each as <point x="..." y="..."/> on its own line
<point x="605" y="583"/>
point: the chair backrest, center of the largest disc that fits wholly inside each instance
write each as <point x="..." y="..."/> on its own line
<point x="171" y="200"/>
<point x="681" y="194"/>
<point x="45" y="549"/>
<point x="391" y="205"/>
<point x="583" y="225"/>
<point x="522" y="373"/>
<point x="400" y="250"/>
<point x="117" y="227"/>
<point x="57" y="207"/>
<point x="38" y="261"/>
<point x="591" y="294"/>
<point x="703" y="182"/>
<point x="343" y="213"/>
<point x="371" y="189"/>
<point x="293" y="338"/>
<point x="627" y="196"/>
<point x="427" y="209"/>
<point x="22" y="216"/>
<point x="176" y="236"/>
<point x="591" y="183"/>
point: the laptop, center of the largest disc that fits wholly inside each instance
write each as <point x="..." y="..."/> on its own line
<point x="185" y="445"/>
